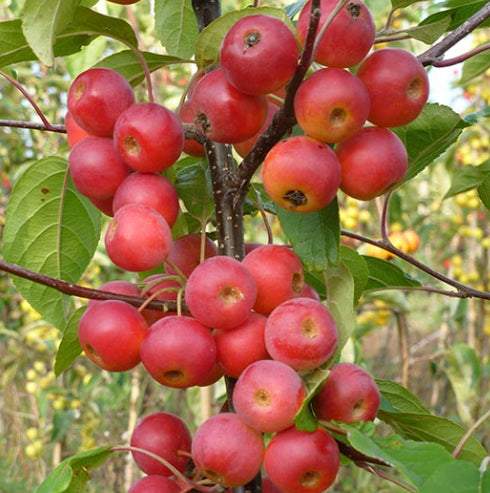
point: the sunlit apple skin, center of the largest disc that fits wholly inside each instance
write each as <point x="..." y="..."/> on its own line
<point x="331" y="105"/>
<point x="224" y="113"/>
<point x="349" y="394"/>
<point x="279" y="275"/>
<point x="251" y="41"/>
<point x="178" y="352"/>
<point x="110" y="333"/>
<point x="301" y="333"/>
<point x="150" y="189"/>
<point x="227" y="451"/>
<point x="267" y="396"/>
<point x="302" y="462"/>
<point x="97" y="97"/>
<point x="301" y="174"/>
<point x="372" y="161"/>
<point x="138" y="238"/>
<point x="221" y="292"/>
<point x="155" y="484"/>
<point x="349" y="37"/>
<point x="164" y="434"/>
<point x="398" y="86"/>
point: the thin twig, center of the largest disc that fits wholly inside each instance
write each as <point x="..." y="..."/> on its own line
<point x="33" y="126"/>
<point x="469" y="433"/>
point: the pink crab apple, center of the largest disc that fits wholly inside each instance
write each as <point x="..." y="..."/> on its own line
<point x="138" y="238"/>
<point x="398" y="86"/>
<point x="155" y="484"/>
<point x="227" y="451"/>
<point x="221" y="292"/>
<point x="349" y="394"/>
<point x="74" y="132"/>
<point x="331" y="104"/>
<point x="302" y="462"/>
<point x="279" y="275"/>
<point x="347" y="39"/>
<point x="301" y="333"/>
<point x="150" y="189"/>
<point x="149" y="137"/>
<point x="119" y="287"/>
<point x="110" y="333"/>
<point x="165" y="435"/>
<point x="178" y="351"/>
<point x="224" y="113"/>
<point x="267" y="396"/>
<point x="250" y="41"/>
<point x="301" y="174"/>
<point x="97" y="97"/>
<point x="373" y="160"/>
<point x="160" y="288"/>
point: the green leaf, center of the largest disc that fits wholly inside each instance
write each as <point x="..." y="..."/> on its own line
<point x="305" y="420"/>
<point x="457" y="477"/>
<point x="209" y="41"/>
<point x="357" y="267"/>
<point x="69" y="348"/>
<point x="41" y="20"/>
<point x="72" y="471"/>
<point x="176" y="26"/>
<point x="51" y="232"/>
<point x="396" y="398"/>
<point x="400" y="4"/>
<point x="427" y="137"/>
<point x="386" y="275"/>
<point x="475" y="66"/>
<point x="473" y="118"/>
<point x="315" y="236"/>
<point x="431" y="32"/>
<point x="127" y="64"/>
<point x="62" y="421"/>
<point x="459" y="14"/>
<point x="468" y="177"/>
<point x="484" y="192"/>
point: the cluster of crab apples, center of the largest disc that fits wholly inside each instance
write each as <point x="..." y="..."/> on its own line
<point x="255" y="321"/>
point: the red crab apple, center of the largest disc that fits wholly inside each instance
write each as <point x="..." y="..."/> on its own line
<point x="96" y="168"/>
<point x="110" y="333"/>
<point x="155" y="484"/>
<point x="138" y="238"/>
<point x="74" y="132"/>
<point x="221" y="292"/>
<point x="227" y="451"/>
<point x="119" y="287"/>
<point x="150" y="189"/>
<point x="349" y="394"/>
<point x="331" y="104"/>
<point x="249" y="42"/>
<point x="398" y="86"/>
<point x="373" y="160"/>
<point x="160" y="288"/>
<point x="302" y="462"/>
<point x="267" y="396"/>
<point x="191" y="146"/>
<point x="165" y="435"/>
<point x="178" y="351"/>
<point x="224" y="113"/>
<point x="149" y="137"/>
<point x="347" y="39"/>
<point x="301" y="333"/>
<point x="104" y="205"/>
<point x="301" y="174"/>
<point x="97" y="97"/>
<point x="279" y="275"/>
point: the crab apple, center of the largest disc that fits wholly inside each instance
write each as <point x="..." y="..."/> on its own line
<point x="74" y="132"/>
<point x="349" y="394"/>
<point x="398" y="86"/>
<point x="178" y="351"/>
<point x="119" y="287"/>
<point x="185" y="253"/>
<point x="221" y="292"/>
<point x="191" y="146"/>
<point x="243" y="148"/>
<point x="96" y="168"/>
<point x="373" y="160"/>
<point x="302" y="462"/>
<point x="138" y="238"/>
<point x="242" y="346"/>
<point x="104" y="205"/>
<point x="165" y="435"/>
<point x="347" y="39"/>
<point x="301" y="333"/>
<point x="331" y="104"/>
<point x="279" y="275"/>
<point x="155" y="484"/>
<point x="150" y="189"/>
<point x="227" y="451"/>
<point x="224" y="113"/>
<point x="97" y="97"/>
<point x="149" y="137"/>
<point x="301" y="174"/>
<point x="159" y="288"/>
<point x="249" y="42"/>
<point x="267" y="396"/>
<point x="310" y="292"/>
<point x="110" y="333"/>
